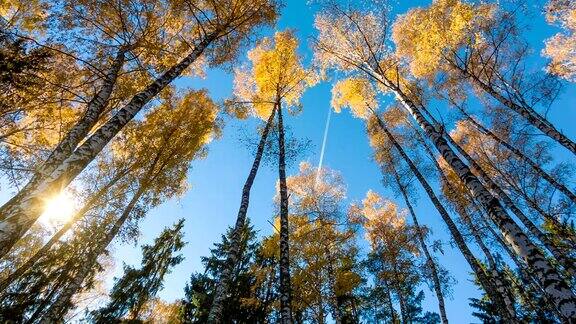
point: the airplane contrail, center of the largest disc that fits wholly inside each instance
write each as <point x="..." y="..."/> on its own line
<point x="323" y="144"/>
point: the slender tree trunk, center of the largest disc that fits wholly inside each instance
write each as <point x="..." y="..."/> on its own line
<point x="525" y="111"/>
<point x="58" y="309"/>
<point x="429" y="260"/>
<point x="58" y="235"/>
<point x="548" y="276"/>
<point x="15" y="219"/>
<point x="539" y="171"/>
<point x="234" y="254"/>
<point x="495" y="295"/>
<point x="389" y="302"/>
<point x="46" y="300"/>
<point x="477" y="169"/>
<point x="285" y="286"/>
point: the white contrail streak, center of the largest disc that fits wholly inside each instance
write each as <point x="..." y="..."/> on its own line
<point x="323" y="144"/>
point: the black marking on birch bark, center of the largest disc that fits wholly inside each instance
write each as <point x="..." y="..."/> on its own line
<point x="552" y="282"/>
<point x="429" y="260"/>
<point x="477" y="169"/>
<point x="527" y="112"/>
<point x="541" y="172"/>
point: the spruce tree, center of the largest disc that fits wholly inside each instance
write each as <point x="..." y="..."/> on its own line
<point x="138" y="285"/>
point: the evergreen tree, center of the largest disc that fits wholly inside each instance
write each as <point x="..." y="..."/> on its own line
<point x="139" y="285"/>
<point x="199" y="292"/>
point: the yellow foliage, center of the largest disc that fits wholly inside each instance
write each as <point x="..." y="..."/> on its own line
<point x="561" y="48"/>
<point x="176" y="132"/>
<point x="355" y="93"/>
<point x="276" y="75"/>
<point x="27" y="15"/>
<point x="425" y="35"/>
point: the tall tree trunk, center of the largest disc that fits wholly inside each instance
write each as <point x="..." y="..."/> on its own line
<point x="285" y="286"/>
<point x="552" y="282"/>
<point x="389" y="302"/>
<point x="15" y="219"/>
<point x="523" y="110"/>
<point x="58" y="309"/>
<point x="234" y="254"/>
<point x="539" y="171"/>
<point x="429" y="260"/>
<point x="486" y="282"/>
<point x="58" y="235"/>
<point x="477" y="169"/>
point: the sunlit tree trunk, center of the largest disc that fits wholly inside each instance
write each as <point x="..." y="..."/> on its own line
<point x="485" y="281"/>
<point x="16" y="219"/>
<point x="68" y="144"/>
<point x="58" y="235"/>
<point x="523" y="110"/>
<point x="234" y="254"/>
<point x="429" y="260"/>
<point x="285" y="286"/>
<point x="539" y="171"/>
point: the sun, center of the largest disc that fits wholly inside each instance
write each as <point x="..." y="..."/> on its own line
<point x="58" y="209"/>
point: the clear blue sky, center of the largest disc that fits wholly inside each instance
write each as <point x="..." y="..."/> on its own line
<point x="216" y="182"/>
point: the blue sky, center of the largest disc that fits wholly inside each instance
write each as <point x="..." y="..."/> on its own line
<point x="211" y="204"/>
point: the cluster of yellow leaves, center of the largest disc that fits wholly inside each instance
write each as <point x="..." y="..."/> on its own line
<point x="158" y="311"/>
<point x="176" y="132"/>
<point x="314" y="191"/>
<point x="355" y="93"/>
<point x="26" y="15"/>
<point x="381" y="218"/>
<point x="561" y="48"/>
<point x="276" y="75"/>
<point x="321" y="258"/>
<point x="321" y="254"/>
<point x="425" y="35"/>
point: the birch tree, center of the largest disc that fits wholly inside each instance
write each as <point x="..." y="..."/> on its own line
<point x="276" y="79"/>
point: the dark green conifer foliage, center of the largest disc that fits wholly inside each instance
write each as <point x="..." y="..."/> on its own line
<point x="137" y="286"/>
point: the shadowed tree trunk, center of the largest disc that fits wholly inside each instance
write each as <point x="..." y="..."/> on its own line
<point x="56" y="312"/>
<point x="234" y="254"/>
<point x="58" y="235"/>
<point x="285" y="286"/>
<point x="429" y="260"/>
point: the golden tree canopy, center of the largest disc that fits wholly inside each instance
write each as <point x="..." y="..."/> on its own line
<point x="561" y="48"/>
<point x="276" y="74"/>
<point x="356" y="94"/>
<point x="425" y="35"/>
